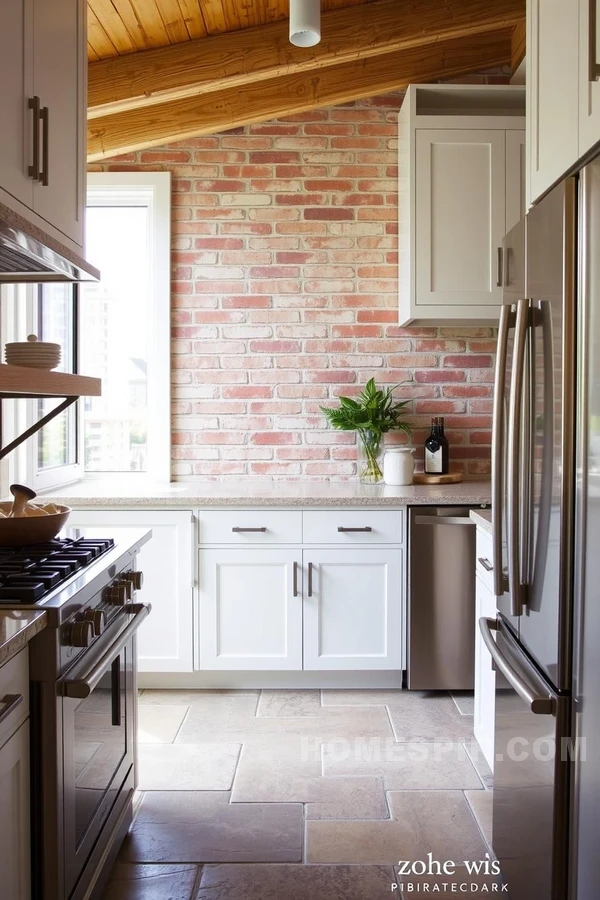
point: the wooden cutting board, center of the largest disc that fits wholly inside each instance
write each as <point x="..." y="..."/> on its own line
<point x="450" y="478"/>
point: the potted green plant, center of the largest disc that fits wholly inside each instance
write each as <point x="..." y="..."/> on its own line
<point x="372" y="414"/>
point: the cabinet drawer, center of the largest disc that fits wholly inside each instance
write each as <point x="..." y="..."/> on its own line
<point x="14" y="683"/>
<point x="348" y="527"/>
<point x="485" y="559"/>
<point x="250" y="526"/>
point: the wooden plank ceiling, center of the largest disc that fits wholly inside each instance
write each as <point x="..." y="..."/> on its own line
<point x="165" y="70"/>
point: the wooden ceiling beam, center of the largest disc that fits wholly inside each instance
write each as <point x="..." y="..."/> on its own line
<point x="244" y="57"/>
<point x="260" y="101"/>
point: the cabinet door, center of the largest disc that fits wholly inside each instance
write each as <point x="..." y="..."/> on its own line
<point x="516" y="172"/>
<point x="250" y="609"/>
<point x="460" y="217"/>
<point x="60" y="80"/>
<point x="552" y="92"/>
<point x="14" y="830"/>
<point x="352" y="609"/>
<point x="485" y="676"/>
<point x="589" y="85"/>
<point x="16" y="78"/>
<point x="165" y="639"/>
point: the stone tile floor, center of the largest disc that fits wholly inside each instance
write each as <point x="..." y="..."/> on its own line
<point x="303" y="795"/>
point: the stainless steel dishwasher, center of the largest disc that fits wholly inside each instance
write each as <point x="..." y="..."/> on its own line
<point x="441" y="598"/>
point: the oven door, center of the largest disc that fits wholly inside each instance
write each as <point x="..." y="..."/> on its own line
<point x="98" y="722"/>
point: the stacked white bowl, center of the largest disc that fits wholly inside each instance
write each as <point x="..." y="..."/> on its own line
<point x="33" y="353"/>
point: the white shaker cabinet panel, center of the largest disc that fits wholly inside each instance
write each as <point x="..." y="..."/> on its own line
<point x="516" y="177"/>
<point x="60" y="69"/>
<point x="589" y="76"/>
<point x="165" y="639"/>
<point x="460" y="217"/>
<point x="250" y="605"/>
<point x="15" y="859"/>
<point x="552" y="91"/>
<point x="485" y="676"/>
<point x="16" y="78"/>
<point x="352" y="609"/>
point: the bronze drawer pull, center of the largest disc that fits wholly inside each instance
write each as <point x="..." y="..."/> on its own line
<point x="238" y="530"/>
<point x="343" y="530"/>
<point x="10" y="701"/>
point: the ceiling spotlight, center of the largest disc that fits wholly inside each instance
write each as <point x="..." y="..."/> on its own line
<point x="305" y="22"/>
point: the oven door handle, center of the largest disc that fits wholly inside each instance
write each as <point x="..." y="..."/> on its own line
<point x="82" y="687"/>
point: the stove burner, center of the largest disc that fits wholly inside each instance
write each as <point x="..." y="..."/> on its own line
<point x="29" y="573"/>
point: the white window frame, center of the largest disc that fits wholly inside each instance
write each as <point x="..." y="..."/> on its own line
<point x="151" y="189"/>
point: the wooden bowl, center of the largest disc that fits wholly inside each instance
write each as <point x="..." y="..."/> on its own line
<point x="31" y="530"/>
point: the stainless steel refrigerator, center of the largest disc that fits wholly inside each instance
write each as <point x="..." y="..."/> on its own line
<point x="545" y="641"/>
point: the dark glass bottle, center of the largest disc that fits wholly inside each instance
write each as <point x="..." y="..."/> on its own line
<point x="436" y="449"/>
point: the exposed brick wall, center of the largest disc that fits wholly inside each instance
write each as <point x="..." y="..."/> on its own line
<point x="285" y="295"/>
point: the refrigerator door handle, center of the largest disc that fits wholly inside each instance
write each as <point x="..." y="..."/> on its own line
<point x="539" y="704"/>
<point x="516" y="587"/>
<point x="498" y="427"/>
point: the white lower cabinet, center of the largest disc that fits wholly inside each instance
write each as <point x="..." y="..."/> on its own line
<point x="165" y="639"/>
<point x="15" y="863"/>
<point x="485" y="676"/>
<point x="352" y="609"/>
<point x="250" y="604"/>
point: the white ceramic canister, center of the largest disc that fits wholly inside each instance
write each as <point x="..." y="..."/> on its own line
<point x="398" y="465"/>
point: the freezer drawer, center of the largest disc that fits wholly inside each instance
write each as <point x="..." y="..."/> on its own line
<point x="530" y="774"/>
<point x="441" y="613"/>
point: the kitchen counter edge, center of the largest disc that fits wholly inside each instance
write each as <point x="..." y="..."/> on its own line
<point x="482" y="518"/>
<point x="178" y="495"/>
<point x="17" y="628"/>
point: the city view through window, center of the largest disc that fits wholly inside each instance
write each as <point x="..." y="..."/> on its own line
<point x="114" y="333"/>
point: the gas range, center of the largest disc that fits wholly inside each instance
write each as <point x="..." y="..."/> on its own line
<point x="29" y="574"/>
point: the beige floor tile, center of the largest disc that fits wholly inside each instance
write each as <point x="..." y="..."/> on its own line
<point x="439" y="822"/>
<point x="480" y="763"/>
<point x="276" y="882"/>
<point x="465" y="702"/>
<point x="481" y="804"/>
<point x="331" y="724"/>
<point x="406" y="767"/>
<point x="211" y="701"/>
<point x="203" y="826"/>
<point x="359" y="697"/>
<point x="264" y="775"/>
<point x="149" y="882"/>
<point x="429" y="718"/>
<point x="289" y="703"/>
<point x="187" y="767"/>
<point x="160" y="724"/>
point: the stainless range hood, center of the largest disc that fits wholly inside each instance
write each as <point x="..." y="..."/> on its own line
<point x="27" y="254"/>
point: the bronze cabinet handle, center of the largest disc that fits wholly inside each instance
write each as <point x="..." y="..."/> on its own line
<point x="295" y="579"/>
<point x="238" y="530"/>
<point x="310" y="579"/>
<point x="343" y="530"/>
<point x="486" y="564"/>
<point x="45" y="120"/>
<point x="34" y="169"/>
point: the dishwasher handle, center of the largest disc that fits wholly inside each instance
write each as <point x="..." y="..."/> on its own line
<point x="444" y="520"/>
<point x="539" y="704"/>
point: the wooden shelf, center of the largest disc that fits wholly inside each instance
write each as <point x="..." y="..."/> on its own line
<point x="16" y="380"/>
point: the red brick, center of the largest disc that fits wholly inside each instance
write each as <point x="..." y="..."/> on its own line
<point x="247" y="392"/>
<point x="468" y="361"/>
<point x="329" y="214"/>
<point x="276" y="437"/>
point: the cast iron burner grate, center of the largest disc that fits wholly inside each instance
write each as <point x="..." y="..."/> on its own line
<point x="28" y="574"/>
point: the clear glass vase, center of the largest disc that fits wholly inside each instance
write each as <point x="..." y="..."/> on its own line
<point x="370" y="455"/>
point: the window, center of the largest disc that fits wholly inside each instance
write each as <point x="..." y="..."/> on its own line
<point x="124" y="325"/>
<point x="123" y="329"/>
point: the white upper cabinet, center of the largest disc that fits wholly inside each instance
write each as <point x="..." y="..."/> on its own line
<point x="461" y="180"/>
<point x="589" y="74"/>
<point x="552" y="92"/>
<point x="16" y="146"/>
<point x="59" y="45"/>
<point x="43" y="100"/>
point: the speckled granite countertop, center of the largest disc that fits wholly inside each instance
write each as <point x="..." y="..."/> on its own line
<point x="482" y="518"/>
<point x="17" y="627"/>
<point x="239" y="493"/>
